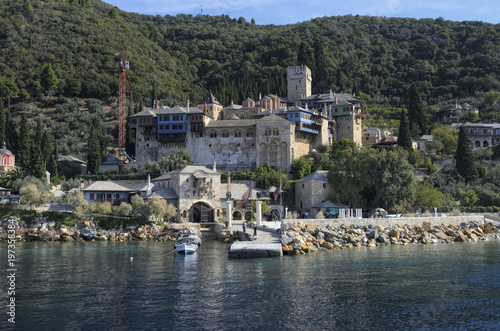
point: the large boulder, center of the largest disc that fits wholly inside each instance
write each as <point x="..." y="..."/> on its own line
<point x="394" y="233"/>
<point x="372" y="234"/>
<point x="286" y="240"/>
<point x="327" y="245"/>
<point x="383" y="238"/>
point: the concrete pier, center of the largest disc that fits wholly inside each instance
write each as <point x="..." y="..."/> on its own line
<point x="266" y="244"/>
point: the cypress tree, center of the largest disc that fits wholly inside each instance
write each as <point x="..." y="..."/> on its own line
<point x="39" y="132"/>
<point x="94" y="147"/>
<point x="36" y="165"/>
<point x="48" y="80"/>
<point x="46" y="146"/>
<point x="416" y="113"/>
<point x="53" y="161"/>
<point x="28" y="8"/>
<point x="465" y="160"/>
<point x="129" y="141"/>
<point x="404" y="138"/>
<point x="23" y="153"/>
<point x="11" y="134"/>
<point x="3" y="120"/>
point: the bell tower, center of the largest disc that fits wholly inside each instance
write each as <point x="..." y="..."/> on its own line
<point x="299" y="82"/>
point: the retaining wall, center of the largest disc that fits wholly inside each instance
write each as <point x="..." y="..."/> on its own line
<point x="388" y="222"/>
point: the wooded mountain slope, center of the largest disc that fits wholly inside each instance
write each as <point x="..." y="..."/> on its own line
<point x="184" y="56"/>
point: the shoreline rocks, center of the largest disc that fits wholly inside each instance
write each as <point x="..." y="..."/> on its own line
<point x="301" y="237"/>
<point x="86" y="230"/>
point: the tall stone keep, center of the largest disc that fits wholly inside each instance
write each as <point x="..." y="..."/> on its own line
<point x="299" y="82"/>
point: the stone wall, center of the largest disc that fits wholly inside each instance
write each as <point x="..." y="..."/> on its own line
<point x="388" y="222"/>
<point x="312" y="194"/>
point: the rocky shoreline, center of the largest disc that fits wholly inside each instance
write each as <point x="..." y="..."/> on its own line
<point x="302" y="237"/>
<point x="86" y="230"/>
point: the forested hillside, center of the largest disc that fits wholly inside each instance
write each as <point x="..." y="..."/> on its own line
<point x="184" y="56"/>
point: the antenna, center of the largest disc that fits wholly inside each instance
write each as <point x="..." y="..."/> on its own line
<point x="201" y="10"/>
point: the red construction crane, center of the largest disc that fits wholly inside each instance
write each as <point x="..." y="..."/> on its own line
<point x="122" y="103"/>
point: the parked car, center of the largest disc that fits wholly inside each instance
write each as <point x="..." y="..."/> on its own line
<point x="379" y="212"/>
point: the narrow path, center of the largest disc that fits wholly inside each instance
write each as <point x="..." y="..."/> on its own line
<point x="266" y="244"/>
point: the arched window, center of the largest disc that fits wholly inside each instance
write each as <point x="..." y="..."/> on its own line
<point x="237" y="134"/>
<point x="268" y="132"/>
<point x="225" y="134"/>
<point x="250" y="133"/>
<point x="213" y="134"/>
<point x="276" y="132"/>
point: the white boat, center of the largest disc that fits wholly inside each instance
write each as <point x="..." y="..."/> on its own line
<point x="187" y="242"/>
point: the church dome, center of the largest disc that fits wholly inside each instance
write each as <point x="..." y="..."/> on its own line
<point x="4" y="150"/>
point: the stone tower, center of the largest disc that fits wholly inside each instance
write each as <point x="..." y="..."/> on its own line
<point x="299" y="81"/>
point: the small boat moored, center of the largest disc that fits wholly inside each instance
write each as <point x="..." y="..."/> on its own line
<point x="187" y="242"/>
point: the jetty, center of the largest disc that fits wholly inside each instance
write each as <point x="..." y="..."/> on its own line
<point x="267" y="243"/>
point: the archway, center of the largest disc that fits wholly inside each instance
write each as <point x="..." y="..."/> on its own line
<point x="236" y="215"/>
<point x="201" y="212"/>
<point x="478" y="144"/>
<point x="485" y="143"/>
<point x="248" y="215"/>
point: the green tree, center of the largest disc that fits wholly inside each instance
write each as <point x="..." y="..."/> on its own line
<point x="28" y="8"/>
<point x="77" y="202"/>
<point x="114" y="13"/>
<point x="373" y="178"/>
<point x="129" y="140"/>
<point x="94" y="147"/>
<point x="53" y="161"/>
<point x="465" y="160"/>
<point x="404" y="137"/>
<point x="46" y="147"/>
<point x="48" y="79"/>
<point x="36" y="165"/>
<point x="3" y="121"/>
<point x="11" y="137"/>
<point x="32" y="196"/>
<point x="444" y="139"/>
<point x="8" y="89"/>
<point x="23" y="153"/>
<point x="467" y="198"/>
<point x="24" y="95"/>
<point x="416" y="113"/>
<point x="301" y="167"/>
<point x="428" y="198"/>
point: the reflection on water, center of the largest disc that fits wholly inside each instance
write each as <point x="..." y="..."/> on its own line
<point x="97" y="286"/>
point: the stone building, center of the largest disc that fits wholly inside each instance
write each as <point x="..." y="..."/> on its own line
<point x="198" y="191"/>
<point x="482" y="135"/>
<point x="312" y="190"/>
<point x="299" y="82"/>
<point x="7" y="160"/>
<point x="234" y="144"/>
<point x="348" y="118"/>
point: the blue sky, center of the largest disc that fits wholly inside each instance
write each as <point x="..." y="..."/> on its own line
<point x="293" y="11"/>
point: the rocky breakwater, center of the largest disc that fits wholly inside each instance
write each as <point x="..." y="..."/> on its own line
<point x="301" y="237"/>
<point x="86" y="230"/>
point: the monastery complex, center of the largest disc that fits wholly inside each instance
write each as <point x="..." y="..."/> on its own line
<point x="270" y="132"/>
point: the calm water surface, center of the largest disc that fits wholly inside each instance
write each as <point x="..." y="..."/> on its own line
<point x="95" y="286"/>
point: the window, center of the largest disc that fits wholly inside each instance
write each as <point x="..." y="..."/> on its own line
<point x="324" y="185"/>
<point x="213" y="134"/>
<point x="249" y="133"/>
<point x="167" y="127"/>
<point x="175" y="118"/>
<point x="174" y="126"/>
<point x="276" y="132"/>
<point x="225" y="134"/>
<point x="162" y="127"/>
<point x="91" y="196"/>
<point x="181" y="126"/>
<point x="268" y="132"/>
<point x="237" y="134"/>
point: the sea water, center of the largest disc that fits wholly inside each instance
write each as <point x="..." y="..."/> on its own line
<point x="97" y="286"/>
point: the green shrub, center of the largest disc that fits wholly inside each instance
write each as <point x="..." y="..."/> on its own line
<point x="61" y="218"/>
<point x="108" y="222"/>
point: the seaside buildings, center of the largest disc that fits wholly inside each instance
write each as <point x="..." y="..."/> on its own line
<point x="270" y="132"/>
